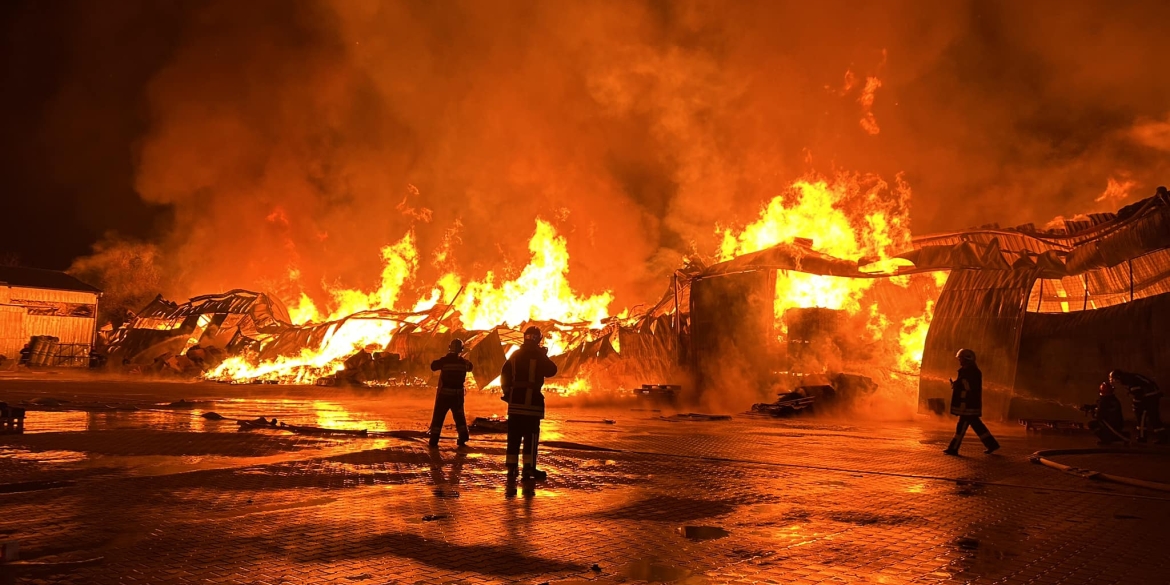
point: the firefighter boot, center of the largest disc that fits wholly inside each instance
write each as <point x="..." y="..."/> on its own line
<point x="510" y="484"/>
<point x="531" y="472"/>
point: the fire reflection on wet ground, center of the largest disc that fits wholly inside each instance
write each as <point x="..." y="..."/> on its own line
<point x="640" y="499"/>
<point x="317" y="413"/>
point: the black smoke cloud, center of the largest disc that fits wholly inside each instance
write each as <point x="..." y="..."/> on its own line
<point x="287" y="138"/>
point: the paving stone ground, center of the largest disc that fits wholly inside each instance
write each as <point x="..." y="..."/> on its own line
<point x="165" y="496"/>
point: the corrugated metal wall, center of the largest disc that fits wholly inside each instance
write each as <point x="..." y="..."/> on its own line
<point x="16" y="326"/>
<point x="67" y="330"/>
<point x="11" y="330"/>
<point x="60" y="296"/>
<point x="981" y="310"/>
<point x="1064" y="357"/>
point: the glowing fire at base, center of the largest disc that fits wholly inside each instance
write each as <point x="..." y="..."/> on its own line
<point x="541" y="292"/>
<point x="848" y="216"/>
<point x="852" y="217"/>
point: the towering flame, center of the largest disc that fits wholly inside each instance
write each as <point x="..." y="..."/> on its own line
<point x="540" y="292"/>
<point x="848" y="217"/>
<point x="853" y="217"/>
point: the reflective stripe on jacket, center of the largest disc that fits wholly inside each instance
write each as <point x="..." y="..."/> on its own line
<point x="522" y="378"/>
<point x="452" y="374"/>
<point x="967" y="392"/>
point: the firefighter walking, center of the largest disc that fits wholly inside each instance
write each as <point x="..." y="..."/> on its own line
<point x="452" y="370"/>
<point x="521" y="380"/>
<point x="967" y="404"/>
<point x="1147" y="404"/>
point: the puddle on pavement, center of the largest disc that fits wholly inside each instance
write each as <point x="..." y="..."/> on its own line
<point x="46" y="457"/>
<point x="261" y="508"/>
<point x="655" y="571"/>
<point x="867" y="518"/>
<point x="701" y="532"/>
<point x="188" y="416"/>
<point x="32" y="486"/>
<point x="154" y="465"/>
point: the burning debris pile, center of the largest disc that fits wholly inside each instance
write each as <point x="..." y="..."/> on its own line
<point x="249" y="337"/>
<point x="817" y="312"/>
<point x="189" y="338"/>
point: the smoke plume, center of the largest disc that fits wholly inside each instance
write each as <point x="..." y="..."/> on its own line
<point x="293" y="140"/>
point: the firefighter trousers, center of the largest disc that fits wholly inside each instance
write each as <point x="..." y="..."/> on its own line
<point x="522" y="429"/>
<point x="1148" y="413"/>
<point x="1106" y="433"/>
<point x="980" y="430"/>
<point x="444" y="403"/>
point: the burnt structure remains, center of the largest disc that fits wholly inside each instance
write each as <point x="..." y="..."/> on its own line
<point x="1049" y="312"/>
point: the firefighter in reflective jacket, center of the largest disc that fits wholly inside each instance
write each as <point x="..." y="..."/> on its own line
<point x="967" y="404"/>
<point x="521" y="380"/>
<point x="1147" y="403"/>
<point x="452" y="373"/>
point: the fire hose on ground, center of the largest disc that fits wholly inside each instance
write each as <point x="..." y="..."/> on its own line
<point x="1042" y="458"/>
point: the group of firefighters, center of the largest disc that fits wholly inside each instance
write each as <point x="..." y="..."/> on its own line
<point x="521" y="379"/>
<point x="525" y="370"/>
<point x="1108" y="419"/>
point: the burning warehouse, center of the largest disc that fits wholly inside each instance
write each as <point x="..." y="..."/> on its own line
<point x="1050" y="312"/>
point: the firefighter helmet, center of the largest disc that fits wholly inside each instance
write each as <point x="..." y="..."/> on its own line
<point x="533" y="334"/>
<point x="1106" y="388"/>
<point x="966" y="355"/>
<point x="456" y="345"/>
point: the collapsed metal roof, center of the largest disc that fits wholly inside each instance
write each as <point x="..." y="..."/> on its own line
<point x="1137" y="235"/>
<point x="1103" y="241"/>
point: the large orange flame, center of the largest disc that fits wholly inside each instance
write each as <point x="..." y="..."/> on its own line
<point x="852" y="217"/>
<point x="540" y="292"/>
<point x="849" y="217"/>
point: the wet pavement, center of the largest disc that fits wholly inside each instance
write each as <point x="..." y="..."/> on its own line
<point x="161" y="494"/>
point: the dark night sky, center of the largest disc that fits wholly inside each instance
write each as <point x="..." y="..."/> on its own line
<point x="73" y="75"/>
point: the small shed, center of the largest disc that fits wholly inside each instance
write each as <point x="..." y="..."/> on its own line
<point x="47" y="303"/>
